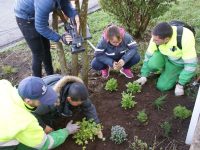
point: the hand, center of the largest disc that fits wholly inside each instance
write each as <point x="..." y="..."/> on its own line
<point x="115" y="65"/>
<point x="72" y="128"/>
<point x="66" y="38"/>
<point x="48" y="129"/>
<point x="100" y="134"/>
<point x="179" y="90"/>
<point x="141" y="80"/>
<point x="121" y="63"/>
<point x="77" y="23"/>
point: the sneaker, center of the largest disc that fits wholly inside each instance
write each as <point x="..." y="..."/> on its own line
<point x="127" y="72"/>
<point x="105" y="73"/>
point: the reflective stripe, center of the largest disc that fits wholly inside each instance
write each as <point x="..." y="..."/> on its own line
<point x="190" y="69"/>
<point x="51" y="141"/>
<point x="132" y="43"/>
<point x="148" y="54"/>
<point x="42" y="143"/>
<point x="9" y="143"/>
<point x="110" y="54"/>
<point x="193" y="60"/>
<point x="123" y="51"/>
<point x="99" y="50"/>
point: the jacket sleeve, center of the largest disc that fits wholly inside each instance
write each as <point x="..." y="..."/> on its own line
<point x="89" y="111"/>
<point x="42" y="11"/>
<point x="68" y="9"/>
<point x="132" y="48"/>
<point x="189" y="57"/>
<point x="100" y="53"/>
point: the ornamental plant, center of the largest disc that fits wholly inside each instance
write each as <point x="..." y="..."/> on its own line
<point x="181" y="112"/>
<point x="118" y="134"/>
<point x="127" y="100"/>
<point x="159" y="102"/>
<point x="167" y="127"/>
<point x="111" y="85"/>
<point x="138" y="144"/>
<point x="88" y="130"/>
<point x="142" y="116"/>
<point x="133" y="87"/>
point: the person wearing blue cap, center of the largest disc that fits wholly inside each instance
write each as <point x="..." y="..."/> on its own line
<point x="19" y="129"/>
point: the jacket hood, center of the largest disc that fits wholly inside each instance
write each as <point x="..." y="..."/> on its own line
<point x="121" y="31"/>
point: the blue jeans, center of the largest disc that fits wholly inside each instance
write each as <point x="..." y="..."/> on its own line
<point x="39" y="45"/>
<point x="97" y="65"/>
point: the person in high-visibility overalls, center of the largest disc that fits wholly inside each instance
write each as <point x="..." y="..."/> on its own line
<point x="177" y="66"/>
<point x="19" y="129"/>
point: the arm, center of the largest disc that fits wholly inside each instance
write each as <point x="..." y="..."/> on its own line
<point x="132" y="48"/>
<point x="89" y="111"/>
<point x="68" y="9"/>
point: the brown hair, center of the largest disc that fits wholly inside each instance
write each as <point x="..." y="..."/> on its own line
<point x="113" y="31"/>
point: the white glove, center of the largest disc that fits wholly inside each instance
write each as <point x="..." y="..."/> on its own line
<point x="141" y="80"/>
<point x="72" y="128"/>
<point x="179" y="90"/>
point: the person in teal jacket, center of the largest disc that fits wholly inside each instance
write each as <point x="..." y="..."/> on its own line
<point x="177" y="66"/>
<point x="19" y="129"/>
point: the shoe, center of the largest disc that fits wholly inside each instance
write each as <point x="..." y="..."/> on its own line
<point x="127" y="72"/>
<point x="105" y="73"/>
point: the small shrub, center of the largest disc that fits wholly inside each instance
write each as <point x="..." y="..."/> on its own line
<point x="118" y="134"/>
<point x="88" y="130"/>
<point x="159" y="102"/>
<point x="138" y="144"/>
<point x="142" y="116"/>
<point x="167" y="127"/>
<point x="8" y="70"/>
<point x="133" y="87"/>
<point x="127" y="100"/>
<point x="181" y="112"/>
<point x="111" y="85"/>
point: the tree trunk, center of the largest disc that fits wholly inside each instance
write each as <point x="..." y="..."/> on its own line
<point x="85" y="58"/>
<point x="60" y="50"/>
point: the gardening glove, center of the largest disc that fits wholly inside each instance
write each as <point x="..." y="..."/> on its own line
<point x="48" y="129"/>
<point x="66" y="38"/>
<point x="179" y="90"/>
<point x="100" y="134"/>
<point x="72" y="128"/>
<point x="141" y="80"/>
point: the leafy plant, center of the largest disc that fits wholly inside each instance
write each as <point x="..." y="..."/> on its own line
<point x="111" y="85"/>
<point x="133" y="87"/>
<point x="118" y="134"/>
<point x="181" y="112"/>
<point x="138" y="144"/>
<point x="8" y="69"/>
<point x="167" y="127"/>
<point x="142" y="116"/>
<point x="88" y="130"/>
<point x="127" y="100"/>
<point x="159" y="102"/>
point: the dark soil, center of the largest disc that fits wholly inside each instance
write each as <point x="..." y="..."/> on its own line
<point x="111" y="113"/>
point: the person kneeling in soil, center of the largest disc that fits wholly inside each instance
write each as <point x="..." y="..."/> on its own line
<point x="19" y="129"/>
<point x="73" y="94"/>
<point x="177" y="65"/>
<point x="116" y="50"/>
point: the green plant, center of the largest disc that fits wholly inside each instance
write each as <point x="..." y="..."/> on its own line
<point x="138" y="144"/>
<point x="167" y="127"/>
<point x="127" y="100"/>
<point x="111" y="85"/>
<point x="142" y="116"/>
<point x="181" y="112"/>
<point x="133" y="87"/>
<point x="88" y="130"/>
<point x="159" y="102"/>
<point x="8" y="69"/>
<point x="118" y="134"/>
<point x="136" y="14"/>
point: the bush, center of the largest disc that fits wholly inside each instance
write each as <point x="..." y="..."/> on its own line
<point x="7" y="70"/>
<point x="127" y="100"/>
<point x="133" y="87"/>
<point x="136" y="14"/>
<point x="118" y="134"/>
<point x="159" y="102"/>
<point x="181" y="112"/>
<point x="88" y="130"/>
<point x="111" y="85"/>
<point x="138" y="144"/>
<point x="167" y="127"/>
<point x="142" y="116"/>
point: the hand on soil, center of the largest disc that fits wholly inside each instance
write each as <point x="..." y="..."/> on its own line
<point x="72" y="128"/>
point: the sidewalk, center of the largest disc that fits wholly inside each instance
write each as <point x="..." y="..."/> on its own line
<point x="9" y="31"/>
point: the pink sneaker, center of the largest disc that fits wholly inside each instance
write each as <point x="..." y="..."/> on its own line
<point x="105" y="73"/>
<point x="127" y="72"/>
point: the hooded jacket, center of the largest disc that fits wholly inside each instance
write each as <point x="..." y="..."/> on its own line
<point x="107" y="53"/>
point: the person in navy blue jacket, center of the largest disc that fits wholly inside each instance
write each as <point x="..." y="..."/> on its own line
<point x="32" y="18"/>
<point x="116" y="50"/>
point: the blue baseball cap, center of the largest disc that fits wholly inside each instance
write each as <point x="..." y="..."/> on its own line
<point x="35" y="88"/>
